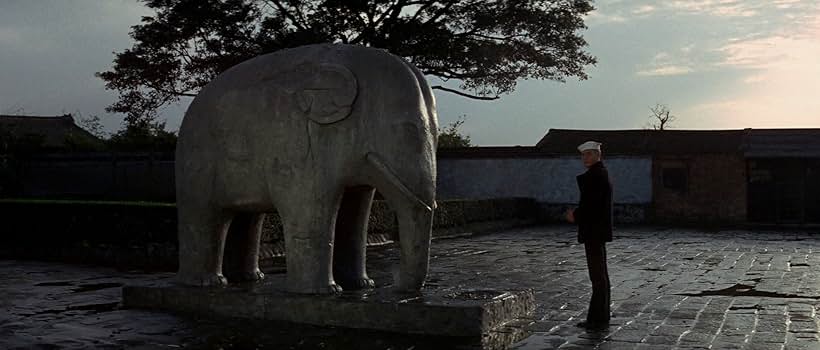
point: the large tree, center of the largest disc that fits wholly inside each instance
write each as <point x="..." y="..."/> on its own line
<point x="484" y="46"/>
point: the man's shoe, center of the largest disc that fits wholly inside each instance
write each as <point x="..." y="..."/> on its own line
<point x="593" y="325"/>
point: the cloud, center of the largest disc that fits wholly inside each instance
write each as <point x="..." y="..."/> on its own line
<point x="9" y="36"/>
<point x="753" y="79"/>
<point x="644" y="9"/>
<point x="667" y="64"/>
<point x="791" y="47"/>
<point x="756" y="53"/>
<point x="665" y="71"/>
<point x="724" y="8"/>
<point x="782" y="85"/>
<point x="597" y="17"/>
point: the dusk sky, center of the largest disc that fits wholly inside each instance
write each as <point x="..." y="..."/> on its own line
<point x="716" y="63"/>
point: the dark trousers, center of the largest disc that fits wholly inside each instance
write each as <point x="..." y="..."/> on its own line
<point x="599" y="276"/>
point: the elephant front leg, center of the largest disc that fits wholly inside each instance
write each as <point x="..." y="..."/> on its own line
<point x="202" y="234"/>
<point x="309" y="244"/>
<point x="350" y="239"/>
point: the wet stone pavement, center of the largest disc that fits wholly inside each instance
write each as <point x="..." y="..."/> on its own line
<point x="671" y="289"/>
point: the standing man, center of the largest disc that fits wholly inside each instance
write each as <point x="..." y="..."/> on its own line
<point x="594" y="219"/>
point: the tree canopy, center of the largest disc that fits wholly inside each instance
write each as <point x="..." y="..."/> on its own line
<point x="483" y="46"/>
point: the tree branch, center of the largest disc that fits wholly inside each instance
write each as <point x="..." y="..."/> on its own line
<point x="289" y="15"/>
<point x="483" y="98"/>
<point x="169" y="92"/>
<point x="440" y="12"/>
<point x="475" y="33"/>
<point x="391" y="13"/>
<point x="448" y="73"/>
<point x="422" y="9"/>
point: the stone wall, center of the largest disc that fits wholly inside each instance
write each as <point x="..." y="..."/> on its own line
<point x="143" y="235"/>
<point x="150" y="177"/>
<point x="97" y="176"/>
<point x="715" y="190"/>
<point x="547" y="179"/>
<point x="622" y="213"/>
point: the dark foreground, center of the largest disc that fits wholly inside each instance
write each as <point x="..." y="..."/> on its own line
<point x="672" y="288"/>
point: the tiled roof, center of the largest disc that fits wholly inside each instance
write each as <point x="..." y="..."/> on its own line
<point x="645" y="142"/>
<point x="490" y="152"/>
<point x="782" y="143"/>
<point x="54" y="130"/>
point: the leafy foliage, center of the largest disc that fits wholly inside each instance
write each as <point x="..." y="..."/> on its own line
<point x="142" y="137"/>
<point x="91" y="124"/>
<point x="484" y="45"/>
<point x="452" y="137"/>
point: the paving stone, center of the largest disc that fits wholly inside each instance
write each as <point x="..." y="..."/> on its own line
<point x="634" y="336"/>
<point x="763" y="346"/>
<point x="669" y="330"/>
<point x="697" y="335"/>
<point x="802" y="326"/>
<point x="661" y="339"/>
<point x="617" y="345"/>
<point x="677" y="278"/>
<point x="768" y="337"/>
<point x="645" y="346"/>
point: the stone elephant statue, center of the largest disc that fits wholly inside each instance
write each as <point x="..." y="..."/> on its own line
<point x="312" y="132"/>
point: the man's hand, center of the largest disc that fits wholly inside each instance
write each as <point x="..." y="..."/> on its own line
<point x="570" y="215"/>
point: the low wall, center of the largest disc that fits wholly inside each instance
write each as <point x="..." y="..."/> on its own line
<point x="92" y="176"/>
<point x="143" y="235"/>
<point x="546" y="178"/>
<point x="621" y="213"/>
<point x="469" y="173"/>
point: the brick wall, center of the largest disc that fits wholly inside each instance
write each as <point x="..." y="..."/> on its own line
<point x="715" y="189"/>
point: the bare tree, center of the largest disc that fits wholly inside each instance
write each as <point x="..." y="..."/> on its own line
<point x="660" y="118"/>
<point x="15" y="109"/>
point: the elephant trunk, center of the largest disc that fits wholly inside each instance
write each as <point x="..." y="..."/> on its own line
<point x="415" y="226"/>
<point x="415" y="218"/>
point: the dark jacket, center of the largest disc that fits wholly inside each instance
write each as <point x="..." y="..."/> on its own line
<point x="594" y="212"/>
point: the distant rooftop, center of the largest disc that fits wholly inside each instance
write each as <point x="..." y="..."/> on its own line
<point x="762" y="143"/>
<point x="490" y="152"/>
<point x="749" y="142"/>
<point x="53" y="129"/>
<point x="644" y="142"/>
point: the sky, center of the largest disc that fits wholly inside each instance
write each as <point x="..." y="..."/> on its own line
<point x="717" y="64"/>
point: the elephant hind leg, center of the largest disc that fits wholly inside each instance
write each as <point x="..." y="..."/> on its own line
<point x="308" y="229"/>
<point x="351" y="239"/>
<point x="241" y="261"/>
<point x="202" y="232"/>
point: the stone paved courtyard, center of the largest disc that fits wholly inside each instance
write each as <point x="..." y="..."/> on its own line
<point x="672" y="288"/>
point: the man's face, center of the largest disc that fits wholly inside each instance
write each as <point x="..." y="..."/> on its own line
<point x="590" y="157"/>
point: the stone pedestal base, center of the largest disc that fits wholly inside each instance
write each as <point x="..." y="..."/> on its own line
<point x="478" y="314"/>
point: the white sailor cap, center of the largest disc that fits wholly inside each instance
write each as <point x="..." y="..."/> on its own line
<point x="590" y="145"/>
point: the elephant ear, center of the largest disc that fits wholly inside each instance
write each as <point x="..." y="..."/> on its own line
<point x="323" y="93"/>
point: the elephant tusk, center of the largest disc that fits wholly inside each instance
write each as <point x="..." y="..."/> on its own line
<point x="395" y="182"/>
